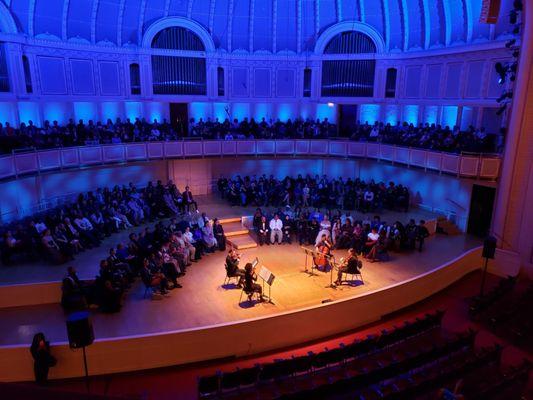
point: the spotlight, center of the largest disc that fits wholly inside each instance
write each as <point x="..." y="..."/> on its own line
<point x="331" y="105"/>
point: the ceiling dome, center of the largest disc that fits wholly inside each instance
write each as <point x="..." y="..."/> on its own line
<point x="261" y="25"/>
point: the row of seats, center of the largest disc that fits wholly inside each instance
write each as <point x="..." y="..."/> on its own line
<point x="380" y="373"/>
<point x="479" y="304"/>
<point x="427" y="381"/>
<point x="511" y="318"/>
<point x="230" y="381"/>
<point x="515" y="376"/>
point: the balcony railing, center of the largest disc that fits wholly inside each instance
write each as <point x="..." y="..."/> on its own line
<point x="477" y="166"/>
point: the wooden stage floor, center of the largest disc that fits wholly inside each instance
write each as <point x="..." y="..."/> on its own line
<point x="203" y="301"/>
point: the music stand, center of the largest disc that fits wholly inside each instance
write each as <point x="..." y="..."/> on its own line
<point x="331" y="262"/>
<point x="267" y="276"/>
<point x="312" y="254"/>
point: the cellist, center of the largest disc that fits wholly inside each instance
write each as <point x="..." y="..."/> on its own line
<point x="323" y="250"/>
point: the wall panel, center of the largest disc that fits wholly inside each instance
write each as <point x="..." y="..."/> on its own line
<point x="109" y="78"/>
<point x="52" y="74"/>
<point x="82" y="77"/>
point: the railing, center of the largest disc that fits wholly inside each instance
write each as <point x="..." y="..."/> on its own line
<point x="461" y="165"/>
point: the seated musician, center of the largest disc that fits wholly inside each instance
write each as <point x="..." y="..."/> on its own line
<point x="323" y="250"/>
<point x="250" y="287"/>
<point x="232" y="266"/>
<point x="350" y="266"/>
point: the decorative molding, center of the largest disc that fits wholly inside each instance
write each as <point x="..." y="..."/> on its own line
<point x="168" y="22"/>
<point x="405" y="23"/>
<point x="469" y="20"/>
<point x="121" y="7"/>
<point x="64" y="34"/>
<point x="140" y="26"/>
<point x="427" y="24"/>
<point x="447" y="23"/>
<point x="386" y="22"/>
<point x="94" y="14"/>
<point x="345" y="26"/>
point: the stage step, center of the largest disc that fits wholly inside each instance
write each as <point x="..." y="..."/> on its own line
<point x="449" y="227"/>
<point x="230" y="220"/>
<point x="242" y="242"/>
<point x="234" y="229"/>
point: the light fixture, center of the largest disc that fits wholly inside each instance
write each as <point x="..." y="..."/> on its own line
<point x="331" y="104"/>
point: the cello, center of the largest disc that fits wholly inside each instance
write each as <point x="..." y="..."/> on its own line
<point x="324" y="252"/>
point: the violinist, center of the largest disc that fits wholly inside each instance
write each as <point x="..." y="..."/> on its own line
<point x="323" y="250"/>
<point x="250" y="277"/>
<point x="351" y="265"/>
<point x="232" y="266"/>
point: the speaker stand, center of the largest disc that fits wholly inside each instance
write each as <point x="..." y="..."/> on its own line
<point x="86" y="371"/>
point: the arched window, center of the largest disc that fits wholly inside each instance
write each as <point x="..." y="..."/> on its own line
<point x="220" y="81"/>
<point x="135" y="79"/>
<point x="353" y="77"/>
<point x="179" y="74"/>
<point x="4" y="78"/>
<point x="390" y="83"/>
<point x="27" y="74"/>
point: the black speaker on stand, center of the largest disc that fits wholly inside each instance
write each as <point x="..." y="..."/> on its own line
<point x="489" y="250"/>
<point x="80" y="334"/>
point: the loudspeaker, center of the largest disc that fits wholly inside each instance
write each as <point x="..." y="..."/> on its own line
<point x="79" y="329"/>
<point x="489" y="247"/>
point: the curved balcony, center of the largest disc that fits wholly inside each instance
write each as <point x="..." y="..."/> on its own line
<point x="474" y="166"/>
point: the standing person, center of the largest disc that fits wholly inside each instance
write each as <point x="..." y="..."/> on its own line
<point x="275" y="229"/>
<point x="188" y="199"/>
<point x="42" y="358"/>
<point x="218" y="231"/>
<point x="421" y="234"/>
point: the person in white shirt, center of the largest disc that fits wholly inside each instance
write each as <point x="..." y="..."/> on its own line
<point x="275" y="229"/>
<point x="325" y="229"/>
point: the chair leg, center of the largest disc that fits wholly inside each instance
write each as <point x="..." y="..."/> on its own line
<point x="240" y="298"/>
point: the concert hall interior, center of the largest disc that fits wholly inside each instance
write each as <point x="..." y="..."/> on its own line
<point x="256" y="199"/>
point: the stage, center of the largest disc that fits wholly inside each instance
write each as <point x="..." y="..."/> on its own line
<point x="204" y="300"/>
<point x="205" y="319"/>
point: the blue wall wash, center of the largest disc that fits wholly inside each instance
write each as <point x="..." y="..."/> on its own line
<point x="369" y="113"/>
<point x="410" y="114"/>
<point x="449" y="116"/>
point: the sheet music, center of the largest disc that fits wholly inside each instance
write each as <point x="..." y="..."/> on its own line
<point x="266" y="275"/>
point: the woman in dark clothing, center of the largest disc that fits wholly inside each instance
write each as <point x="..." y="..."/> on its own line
<point x="43" y="360"/>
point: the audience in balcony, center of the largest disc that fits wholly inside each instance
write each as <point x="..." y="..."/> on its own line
<point x="318" y="192"/>
<point x="430" y="136"/>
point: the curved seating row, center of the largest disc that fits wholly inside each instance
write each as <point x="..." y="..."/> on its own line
<point x="228" y="381"/>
